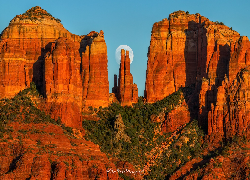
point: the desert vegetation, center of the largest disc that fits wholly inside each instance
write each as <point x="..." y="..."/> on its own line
<point x="140" y="129"/>
<point x="36" y="12"/>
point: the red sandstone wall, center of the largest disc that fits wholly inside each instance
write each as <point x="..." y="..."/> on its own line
<point x="185" y="48"/>
<point x="189" y="49"/>
<point x="69" y="70"/>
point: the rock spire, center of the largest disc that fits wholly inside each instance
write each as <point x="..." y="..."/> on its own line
<point x="127" y="91"/>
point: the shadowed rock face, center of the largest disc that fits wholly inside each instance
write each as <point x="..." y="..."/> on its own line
<point x="73" y="82"/>
<point x="127" y="91"/>
<point x="224" y="104"/>
<point x="190" y="50"/>
<point x="70" y="71"/>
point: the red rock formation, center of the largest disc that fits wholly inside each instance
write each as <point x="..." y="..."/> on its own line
<point x="115" y="88"/>
<point x="240" y="57"/>
<point x="62" y="82"/>
<point x="127" y="91"/>
<point x="69" y="70"/>
<point x="95" y="70"/>
<point x="24" y="42"/>
<point x="189" y="49"/>
<point x="13" y="69"/>
<point x="232" y="165"/>
<point x="185" y="48"/>
<point x="231" y="114"/>
<point x="228" y="106"/>
<point x="176" y="118"/>
<point x="68" y="87"/>
<point x="218" y="113"/>
<point x="46" y="152"/>
<point x="112" y="98"/>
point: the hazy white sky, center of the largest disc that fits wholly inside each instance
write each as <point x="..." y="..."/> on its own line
<point x="129" y="22"/>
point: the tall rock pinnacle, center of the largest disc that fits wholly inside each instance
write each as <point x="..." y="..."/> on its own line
<point x="127" y="91"/>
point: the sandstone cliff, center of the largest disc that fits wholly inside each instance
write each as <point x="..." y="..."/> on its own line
<point x="208" y="58"/>
<point x="95" y="70"/>
<point x="185" y="48"/>
<point x="70" y="71"/>
<point x="63" y="82"/>
<point x="230" y="114"/>
<point x="189" y="50"/>
<point x="23" y="45"/>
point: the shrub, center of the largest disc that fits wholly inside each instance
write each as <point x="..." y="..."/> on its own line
<point x="38" y="142"/>
<point x="219" y="23"/>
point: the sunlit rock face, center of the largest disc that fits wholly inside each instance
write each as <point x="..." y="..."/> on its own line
<point x="95" y="70"/>
<point x="190" y="50"/>
<point x="230" y="115"/>
<point x="23" y="46"/>
<point x="62" y="81"/>
<point x="176" y="118"/>
<point x="70" y="71"/>
<point x="127" y="91"/>
<point x="64" y="156"/>
<point x="185" y="48"/>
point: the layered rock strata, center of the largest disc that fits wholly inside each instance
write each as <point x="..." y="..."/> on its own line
<point x="187" y="50"/>
<point x="95" y="70"/>
<point x="70" y="71"/>
<point x="63" y="81"/>
<point x="230" y="115"/>
<point x="23" y="45"/>
<point x="225" y="107"/>
<point x="46" y="152"/>
<point x="127" y="91"/>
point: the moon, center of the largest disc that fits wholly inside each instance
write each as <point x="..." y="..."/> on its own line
<point x="118" y="53"/>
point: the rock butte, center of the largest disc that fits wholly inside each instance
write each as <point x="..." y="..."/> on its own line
<point x="189" y="50"/>
<point x="70" y="71"/>
<point x="126" y="91"/>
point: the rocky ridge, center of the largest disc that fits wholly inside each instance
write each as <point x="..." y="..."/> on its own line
<point x="40" y="151"/>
